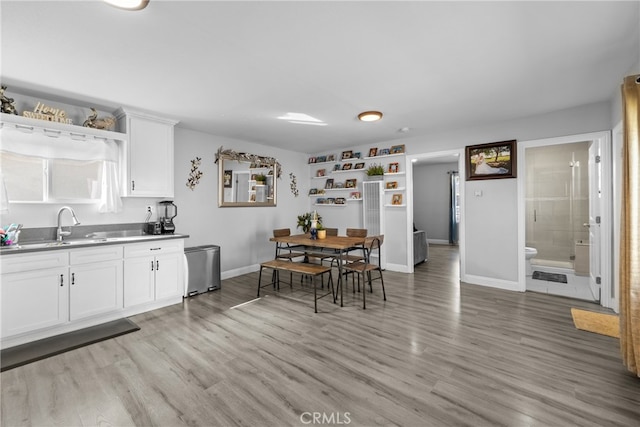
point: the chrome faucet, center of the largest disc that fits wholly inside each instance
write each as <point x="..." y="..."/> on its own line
<point x="61" y="233"/>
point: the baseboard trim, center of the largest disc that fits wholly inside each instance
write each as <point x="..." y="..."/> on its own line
<point x="507" y="285"/>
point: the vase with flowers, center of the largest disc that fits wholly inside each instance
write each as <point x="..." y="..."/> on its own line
<point x="307" y="220"/>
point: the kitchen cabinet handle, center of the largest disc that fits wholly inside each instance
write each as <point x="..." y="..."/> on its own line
<point x="155" y="249"/>
<point x="62" y="280"/>
<point x="157" y="265"/>
<point x="152" y="265"/>
<point x="133" y="185"/>
<point x="73" y="278"/>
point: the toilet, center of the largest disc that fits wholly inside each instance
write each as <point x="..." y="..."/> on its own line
<point x="528" y="254"/>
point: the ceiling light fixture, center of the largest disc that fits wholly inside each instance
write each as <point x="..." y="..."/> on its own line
<point x="370" y="116"/>
<point x="128" y="4"/>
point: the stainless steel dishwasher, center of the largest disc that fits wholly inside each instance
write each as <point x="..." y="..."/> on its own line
<point x="202" y="269"/>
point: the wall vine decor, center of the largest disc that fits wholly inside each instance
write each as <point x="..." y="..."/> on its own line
<point x="294" y="184"/>
<point x="194" y="174"/>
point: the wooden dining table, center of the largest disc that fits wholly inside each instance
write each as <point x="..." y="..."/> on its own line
<point x="340" y="245"/>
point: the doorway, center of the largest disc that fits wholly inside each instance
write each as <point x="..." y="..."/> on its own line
<point x="446" y="162"/>
<point x="564" y="216"/>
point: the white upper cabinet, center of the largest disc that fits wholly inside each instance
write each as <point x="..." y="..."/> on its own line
<point x="147" y="162"/>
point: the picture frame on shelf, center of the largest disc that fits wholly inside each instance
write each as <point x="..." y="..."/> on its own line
<point x="359" y="165"/>
<point x="328" y="184"/>
<point x="321" y="201"/>
<point x="321" y="172"/>
<point x="331" y="158"/>
<point x="337" y="167"/>
<point x="331" y="200"/>
<point x="340" y="201"/>
<point x="394" y="167"/>
<point x="383" y="152"/>
<point x="373" y="152"/>
<point x="313" y="191"/>
<point x="357" y="155"/>
<point x="391" y="185"/>
<point x="346" y="166"/>
<point x="396" y="199"/>
<point x="355" y="195"/>
<point x="347" y="155"/>
<point x="397" y="149"/>
<point x="491" y="161"/>
<point x="321" y="191"/>
<point x="312" y="160"/>
<point x="321" y="159"/>
<point x="351" y="183"/>
<point x="338" y="185"/>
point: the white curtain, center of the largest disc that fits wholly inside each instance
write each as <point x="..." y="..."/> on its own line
<point x="54" y="145"/>
<point x="110" y="201"/>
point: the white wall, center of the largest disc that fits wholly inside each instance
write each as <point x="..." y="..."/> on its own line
<point x="242" y="232"/>
<point x="491" y="220"/>
<point x="431" y="194"/>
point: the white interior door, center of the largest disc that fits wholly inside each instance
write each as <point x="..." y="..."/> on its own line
<point x="241" y="186"/>
<point x="594" y="224"/>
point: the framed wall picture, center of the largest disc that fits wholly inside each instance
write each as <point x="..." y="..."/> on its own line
<point x="337" y="167"/>
<point x="351" y="183"/>
<point x="394" y="168"/>
<point x="331" y="158"/>
<point x="321" y="159"/>
<point x="359" y="165"/>
<point x="347" y="154"/>
<point x="346" y="166"/>
<point x="397" y="149"/>
<point x="328" y="184"/>
<point x="396" y="199"/>
<point x="312" y="159"/>
<point x="313" y="191"/>
<point x="383" y="152"/>
<point x="392" y="185"/>
<point x="321" y="172"/>
<point x="355" y="195"/>
<point x="373" y="152"/>
<point x="491" y="161"/>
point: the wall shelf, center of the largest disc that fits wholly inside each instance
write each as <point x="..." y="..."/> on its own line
<point x="55" y="129"/>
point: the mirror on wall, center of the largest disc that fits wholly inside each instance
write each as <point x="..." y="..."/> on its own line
<point x="246" y="179"/>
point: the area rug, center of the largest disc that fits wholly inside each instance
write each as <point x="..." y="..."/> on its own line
<point x="599" y="323"/>
<point x="27" y="353"/>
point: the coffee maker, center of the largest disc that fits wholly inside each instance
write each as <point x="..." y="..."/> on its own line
<point x="167" y="210"/>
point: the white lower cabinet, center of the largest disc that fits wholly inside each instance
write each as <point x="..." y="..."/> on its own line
<point x="96" y="281"/>
<point x="153" y="271"/>
<point x="52" y="292"/>
<point x="33" y="300"/>
<point x="140" y="277"/>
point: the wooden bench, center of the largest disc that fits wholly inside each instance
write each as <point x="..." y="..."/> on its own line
<point x="311" y="270"/>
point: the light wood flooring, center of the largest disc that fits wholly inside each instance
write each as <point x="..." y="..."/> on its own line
<point x="437" y="353"/>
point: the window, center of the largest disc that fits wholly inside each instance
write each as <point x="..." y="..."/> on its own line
<point x="32" y="179"/>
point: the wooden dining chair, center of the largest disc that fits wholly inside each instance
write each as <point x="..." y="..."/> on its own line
<point x="332" y="231"/>
<point x="286" y="251"/>
<point x="367" y="268"/>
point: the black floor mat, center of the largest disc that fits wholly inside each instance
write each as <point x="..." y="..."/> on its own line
<point x="26" y="353"/>
<point x="550" y="277"/>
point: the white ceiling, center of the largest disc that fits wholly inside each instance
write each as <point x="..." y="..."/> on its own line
<point x="232" y="68"/>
